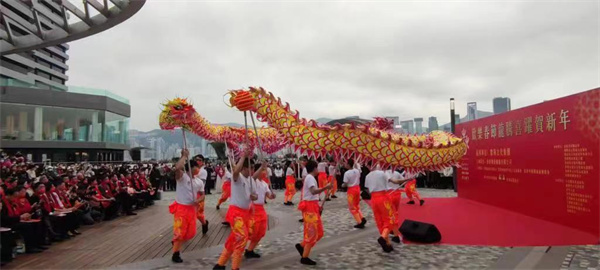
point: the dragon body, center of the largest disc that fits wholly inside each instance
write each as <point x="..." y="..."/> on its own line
<point x="381" y="146"/>
<point x="179" y="113"/>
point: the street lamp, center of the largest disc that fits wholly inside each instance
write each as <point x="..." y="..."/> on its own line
<point x="452" y="129"/>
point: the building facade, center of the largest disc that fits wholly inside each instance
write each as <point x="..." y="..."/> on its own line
<point x="40" y="116"/>
<point x="63" y="126"/>
<point x="408" y="126"/>
<point x="501" y="104"/>
<point x="433" y="124"/>
<point x="418" y="125"/>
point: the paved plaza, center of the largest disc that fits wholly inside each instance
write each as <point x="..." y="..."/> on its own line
<point x="344" y="247"/>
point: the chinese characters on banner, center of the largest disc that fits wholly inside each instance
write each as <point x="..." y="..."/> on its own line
<point x="540" y="160"/>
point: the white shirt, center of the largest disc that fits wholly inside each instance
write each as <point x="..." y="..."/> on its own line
<point x="394" y="175"/>
<point x="321" y="167"/>
<point x="183" y="190"/>
<point x="227" y="177"/>
<point x="278" y="172"/>
<point x="198" y="184"/>
<point x="240" y="192"/>
<point x="269" y="172"/>
<point x="304" y="172"/>
<point x="331" y="170"/>
<point x="262" y="189"/>
<point x="289" y="171"/>
<point x="377" y="181"/>
<point x="309" y="182"/>
<point x="352" y="177"/>
<point x="203" y="174"/>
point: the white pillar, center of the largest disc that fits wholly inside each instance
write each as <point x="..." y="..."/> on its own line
<point x="96" y="129"/>
<point x="37" y="123"/>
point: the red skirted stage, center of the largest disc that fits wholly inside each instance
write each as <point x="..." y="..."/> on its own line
<point x="466" y="222"/>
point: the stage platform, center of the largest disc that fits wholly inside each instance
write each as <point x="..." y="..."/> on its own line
<point x="466" y="222"/>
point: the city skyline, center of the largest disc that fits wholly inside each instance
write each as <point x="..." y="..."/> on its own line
<point x="371" y="59"/>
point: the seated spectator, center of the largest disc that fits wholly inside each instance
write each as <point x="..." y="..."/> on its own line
<point x="15" y="215"/>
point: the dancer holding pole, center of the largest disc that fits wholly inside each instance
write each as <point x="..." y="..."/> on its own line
<point x="184" y="208"/>
<point x="313" y="226"/>
<point x="239" y="214"/>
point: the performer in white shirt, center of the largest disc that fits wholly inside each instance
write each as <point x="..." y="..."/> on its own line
<point x="199" y="180"/>
<point x="395" y="190"/>
<point x="238" y="214"/>
<point x="332" y="178"/>
<point x="322" y="177"/>
<point x="259" y="221"/>
<point x="184" y="206"/>
<point x="313" y="226"/>
<point x="352" y="182"/>
<point x="290" y="183"/>
<point x="385" y="214"/>
<point x="226" y="187"/>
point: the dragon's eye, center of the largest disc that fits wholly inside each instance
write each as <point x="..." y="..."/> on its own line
<point x="178" y="107"/>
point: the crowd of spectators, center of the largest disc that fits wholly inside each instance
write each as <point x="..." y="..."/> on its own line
<point x="41" y="204"/>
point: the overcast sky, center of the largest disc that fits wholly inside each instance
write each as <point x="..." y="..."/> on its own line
<point x="336" y="59"/>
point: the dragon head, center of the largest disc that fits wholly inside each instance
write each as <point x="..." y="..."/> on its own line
<point x="175" y="113"/>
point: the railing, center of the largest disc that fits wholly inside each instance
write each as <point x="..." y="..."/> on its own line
<point x="96" y="92"/>
<point x="72" y="89"/>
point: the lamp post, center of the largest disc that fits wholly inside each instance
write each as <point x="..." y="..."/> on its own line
<point x="452" y="129"/>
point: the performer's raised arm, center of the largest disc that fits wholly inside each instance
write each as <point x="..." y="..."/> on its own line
<point x="257" y="173"/>
<point x="181" y="164"/>
<point x="239" y="166"/>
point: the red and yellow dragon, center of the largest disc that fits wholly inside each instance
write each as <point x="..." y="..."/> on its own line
<point x="374" y="142"/>
<point x="415" y="153"/>
<point x="179" y="113"/>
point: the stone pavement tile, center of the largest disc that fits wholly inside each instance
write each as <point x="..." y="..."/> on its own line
<point x="368" y="255"/>
<point x="583" y="257"/>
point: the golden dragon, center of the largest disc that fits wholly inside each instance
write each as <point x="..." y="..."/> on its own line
<point x="179" y="113"/>
<point x="415" y="153"/>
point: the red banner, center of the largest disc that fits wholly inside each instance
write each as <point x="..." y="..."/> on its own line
<point x="541" y="161"/>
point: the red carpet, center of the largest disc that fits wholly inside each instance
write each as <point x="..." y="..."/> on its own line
<point x="465" y="222"/>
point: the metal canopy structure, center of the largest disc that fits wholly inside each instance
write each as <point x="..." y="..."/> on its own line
<point x="33" y="24"/>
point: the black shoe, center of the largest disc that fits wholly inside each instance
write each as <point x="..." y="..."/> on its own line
<point x="386" y="248"/>
<point x="291" y="203"/>
<point x="396" y="239"/>
<point x="363" y="221"/>
<point x="57" y="239"/>
<point x="225" y="223"/>
<point x="131" y="214"/>
<point x="285" y="203"/>
<point x="307" y="261"/>
<point x="421" y="202"/>
<point x="333" y="196"/>
<point x="359" y="226"/>
<point x="218" y="207"/>
<point x="300" y="249"/>
<point x="327" y="199"/>
<point x="176" y="258"/>
<point x="32" y="251"/>
<point x="205" y="227"/>
<point x="219" y="267"/>
<point x="411" y="202"/>
<point x="301" y="220"/>
<point x="251" y="254"/>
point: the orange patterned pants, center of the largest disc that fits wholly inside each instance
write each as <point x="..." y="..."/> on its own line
<point x="386" y="216"/>
<point x="257" y="227"/>
<point x="184" y="224"/>
<point x="313" y="227"/>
